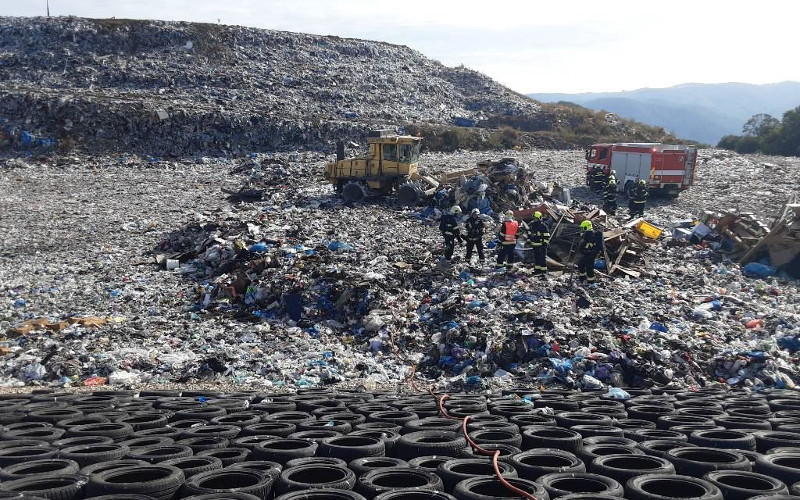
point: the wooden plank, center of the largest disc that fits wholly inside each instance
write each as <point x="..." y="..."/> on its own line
<point x="629" y="272"/>
<point x="623" y="249"/>
<point x="777" y="231"/>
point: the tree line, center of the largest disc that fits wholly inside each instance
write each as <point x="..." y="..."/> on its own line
<point x="766" y="134"/>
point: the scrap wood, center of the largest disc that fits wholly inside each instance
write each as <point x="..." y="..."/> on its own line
<point x="771" y="236"/>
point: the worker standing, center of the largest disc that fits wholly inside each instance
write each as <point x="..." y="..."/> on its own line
<point x="638" y="199"/>
<point x="507" y="235"/>
<point x="475" y="229"/>
<point x="591" y="244"/>
<point x="539" y="236"/>
<point x="448" y="225"/>
<point x="598" y="178"/>
<point x="610" y="195"/>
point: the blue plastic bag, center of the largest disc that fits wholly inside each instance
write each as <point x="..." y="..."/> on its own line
<point x="760" y="270"/>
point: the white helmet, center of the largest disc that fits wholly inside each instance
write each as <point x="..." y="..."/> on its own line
<point x="475" y="211"/>
<point x="455" y="210"/>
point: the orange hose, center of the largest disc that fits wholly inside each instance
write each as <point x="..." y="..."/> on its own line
<point x="495" y="455"/>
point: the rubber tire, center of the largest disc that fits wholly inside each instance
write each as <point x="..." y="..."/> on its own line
<point x="271" y="428"/>
<point x="299" y="478"/>
<point x="351" y="447"/>
<point x="282" y="450"/>
<point x="236" y="480"/>
<point x="431" y="424"/>
<point x="191" y="466"/>
<point x="411" y="494"/>
<point x="487" y="488"/>
<point x="429" y="463"/>
<point x="115" y="430"/>
<point x="363" y="465"/>
<point x="782" y="466"/>
<point x="421" y="443"/>
<point x="647" y="487"/>
<point x="551" y="437"/>
<point x="111" y="464"/>
<point x="727" y="439"/>
<point x="389" y="438"/>
<point x="589" y="453"/>
<point x="158" y="481"/>
<point x="50" y="466"/>
<point x="145" y="442"/>
<point x="157" y="454"/>
<point x="624" y="467"/>
<point x="734" y="484"/>
<point x="496" y="436"/>
<point x="94" y="453"/>
<point x="454" y="471"/>
<point x="228" y="456"/>
<point x="693" y="461"/>
<point x="766" y="440"/>
<point x="204" y="443"/>
<point x="555" y="482"/>
<point x="537" y="462"/>
<point x="379" y="481"/>
<point x="321" y="494"/>
<point x="61" y="487"/>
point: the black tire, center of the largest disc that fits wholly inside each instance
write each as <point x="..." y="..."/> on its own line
<point x="121" y="497"/>
<point x="429" y="463"/>
<point x="170" y="432"/>
<point x="431" y="424"/>
<point x="661" y="487"/>
<point x="115" y="430"/>
<point x="389" y="438"/>
<point x="200" y="413"/>
<point x="634" y="423"/>
<point x="407" y="494"/>
<point x="282" y="450"/>
<point x="734" y="422"/>
<point x="321" y="494"/>
<point x="158" y="481"/>
<point x="48" y="434"/>
<point x="225" y="481"/>
<point x="571" y="418"/>
<point x="728" y="439"/>
<point x="454" y="471"/>
<point x="212" y="430"/>
<point x="588" y="496"/>
<point x="272" y="428"/>
<point x="488" y="488"/>
<point x="660" y="447"/>
<point x="62" y="487"/>
<point x="53" y="415"/>
<point x="15" y="443"/>
<point x="782" y="466"/>
<point x="506" y="451"/>
<point x="50" y="466"/>
<point x="650" y="412"/>
<point x="316" y="436"/>
<point x="240" y="419"/>
<point x="204" y="443"/>
<point x="325" y="424"/>
<point x="523" y="420"/>
<point x="363" y="465"/>
<point x="145" y="420"/>
<point x="624" y="467"/>
<point x="187" y="423"/>
<point x="420" y="443"/>
<point x="293" y="417"/>
<point x="593" y="451"/>
<point x="551" y="437"/>
<point x="157" y="454"/>
<point x="228" y="456"/>
<point x="766" y="440"/>
<point x="82" y="420"/>
<point x="496" y="436"/>
<point x="315" y="476"/>
<point x="379" y="426"/>
<point x="397" y="417"/>
<point x="89" y="470"/>
<point x="597" y="430"/>
<point x="796" y="489"/>
<point x="380" y="481"/>
<point x="670" y="421"/>
<point x="334" y="462"/>
<point x="653" y="434"/>
<point x="146" y="442"/>
<point x="94" y="453"/>
<point x="563" y="483"/>
<point x="17" y="454"/>
<point x="351" y="447"/>
<point x="696" y="461"/>
<point x="192" y="466"/>
<point x="608" y="440"/>
<point x="537" y="462"/>
<point x="740" y="485"/>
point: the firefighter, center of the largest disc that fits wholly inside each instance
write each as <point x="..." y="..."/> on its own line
<point x="598" y="178"/>
<point x="539" y="236"/>
<point x="509" y="229"/>
<point x="591" y="244"/>
<point x="448" y="225"/>
<point x="475" y="228"/>
<point x="610" y="195"/>
<point x="638" y="199"/>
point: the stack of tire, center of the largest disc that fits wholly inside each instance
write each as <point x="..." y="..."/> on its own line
<point x="708" y="444"/>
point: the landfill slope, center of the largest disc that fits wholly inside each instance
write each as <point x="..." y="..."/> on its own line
<point x="79" y="237"/>
<point x="162" y="88"/>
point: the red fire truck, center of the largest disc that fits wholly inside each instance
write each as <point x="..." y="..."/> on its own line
<point x="667" y="168"/>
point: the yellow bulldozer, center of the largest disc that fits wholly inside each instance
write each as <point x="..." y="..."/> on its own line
<point x="390" y="166"/>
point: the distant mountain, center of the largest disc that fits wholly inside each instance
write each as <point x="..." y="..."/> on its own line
<point x="695" y="111"/>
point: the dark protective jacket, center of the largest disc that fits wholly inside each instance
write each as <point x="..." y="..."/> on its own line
<point x="591" y="242"/>
<point x="448" y="225"/>
<point x="538" y="233"/>
<point x="475" y="229"/>
<point x="610" y="191"/>
<point x="640" y="193"/>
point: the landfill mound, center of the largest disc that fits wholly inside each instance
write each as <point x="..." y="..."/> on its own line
<point x="130" y="271"/>
<point x="162" y="88"/>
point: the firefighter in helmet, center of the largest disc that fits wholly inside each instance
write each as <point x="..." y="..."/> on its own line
<point x="448" y="225"/>
<point x="590" y="246"/>
<point x="638" y="199"/>
<point x="539" y="236"/>
<point x="509" y="230"/>
<point x="475" y="229"/>
<point x="598" y="178"/>
<point x="610" y="195"/>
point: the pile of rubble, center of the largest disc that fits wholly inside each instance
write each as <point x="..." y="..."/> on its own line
<point x="299" y="289"/>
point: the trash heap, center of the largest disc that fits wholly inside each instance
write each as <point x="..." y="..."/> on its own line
<point x="296" y="289"/>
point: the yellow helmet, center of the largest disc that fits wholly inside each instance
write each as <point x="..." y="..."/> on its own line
<point x="537" y="215"/>
<point x="586" y="225"/>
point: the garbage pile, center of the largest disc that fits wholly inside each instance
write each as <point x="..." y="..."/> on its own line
<point x="225" y="90"/>
<point x="296" y="289"/>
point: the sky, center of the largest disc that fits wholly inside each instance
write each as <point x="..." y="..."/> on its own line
<point x="531" y="46"/>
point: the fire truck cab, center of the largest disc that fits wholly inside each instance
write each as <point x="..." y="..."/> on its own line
<point x="667" y="168"/>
